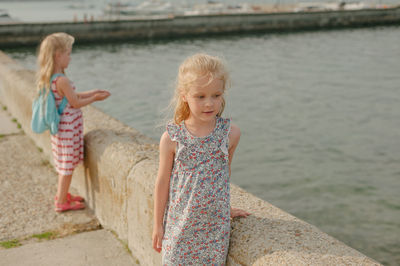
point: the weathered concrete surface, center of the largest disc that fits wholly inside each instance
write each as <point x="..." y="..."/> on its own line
<point x="28" y="184"/>
<point x="96" y="248"/>
<point x="7" y="126"/>
<point x="111" y="150"/>
<point x="271" y="236"/>
<point x="140" y="210"/>
<point x="118" y="180"/>
<point x="167" y="27"/>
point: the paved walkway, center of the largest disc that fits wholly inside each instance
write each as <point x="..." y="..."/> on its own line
<point x="97" y="248"/>
<point x="28" y="184"/>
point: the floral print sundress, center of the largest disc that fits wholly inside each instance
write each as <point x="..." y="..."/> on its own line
<point x="197" y="216"/>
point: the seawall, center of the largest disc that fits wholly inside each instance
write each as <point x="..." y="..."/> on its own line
<point x="18" y="34"/>
<point x="117" y="179"/>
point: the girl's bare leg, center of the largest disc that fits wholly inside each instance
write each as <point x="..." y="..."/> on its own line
<point x="64" y="181"/>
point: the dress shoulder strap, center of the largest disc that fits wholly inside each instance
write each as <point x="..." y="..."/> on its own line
<point x="56" y="75"/>
<point x="64" y="100"/>
<point x="222" y="134"/>
<point x="174" y="131"/>
<point x="224" y="127"/>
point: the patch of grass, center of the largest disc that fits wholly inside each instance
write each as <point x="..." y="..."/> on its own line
<point x="5" y="108"/>
<point x="10" y="243"/>
<point x="126" y="247"/>
<point x="1" y="136"/>
<point x="18" y="125"/>
<point x="40" y="149"/>
<point x="45" y="236"/>
<point x="114" y="233"/>
<point x="124" y="244"/>
<point x="46" y="163"/>
<point x="14" y="120"/>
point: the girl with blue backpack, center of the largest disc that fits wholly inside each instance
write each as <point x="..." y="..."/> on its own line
<point x="67" y="134"/>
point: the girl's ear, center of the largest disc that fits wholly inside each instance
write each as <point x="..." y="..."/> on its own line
<point x="56" y="56"/>
<point x="184" y="99"/>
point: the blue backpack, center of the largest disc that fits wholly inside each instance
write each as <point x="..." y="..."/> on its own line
<point x="45" y="115"/>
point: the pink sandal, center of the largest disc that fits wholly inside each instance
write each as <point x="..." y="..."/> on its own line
<point x="72" y="198"/>
<point x="69" y="206"/>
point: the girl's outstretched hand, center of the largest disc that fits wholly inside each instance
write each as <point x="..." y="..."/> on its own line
<point x="238" y="213"/>
<point x="158" y="234"/>
<point x="101" y="95"/>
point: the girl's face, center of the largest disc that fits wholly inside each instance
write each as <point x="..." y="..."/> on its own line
<point x="63" y="58"/>
<point x="205" y="101"/>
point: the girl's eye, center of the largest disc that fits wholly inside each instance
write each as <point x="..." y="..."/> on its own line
<point x="200" y="97"/>
<point x="217" y="95"/>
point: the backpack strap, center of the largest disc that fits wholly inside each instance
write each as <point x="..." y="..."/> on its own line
<point x="64" y="101"/>
<point x="62" y="105"/>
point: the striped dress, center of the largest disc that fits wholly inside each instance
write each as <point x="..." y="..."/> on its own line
<point x="67" y="144"/>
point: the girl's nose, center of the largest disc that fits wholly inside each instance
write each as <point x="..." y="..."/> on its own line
<point x="208" y="102"/>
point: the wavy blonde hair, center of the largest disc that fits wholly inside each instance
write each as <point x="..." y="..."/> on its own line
<point x="51" y="44"/>
<point x="193" y="68"/>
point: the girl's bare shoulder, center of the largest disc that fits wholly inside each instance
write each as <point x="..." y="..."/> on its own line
<point x="63" y="83"/>
<point x="235" y="131"/>
<point x="166" y="142"/>
<point x="62" y="80"/>
<point x="234" y="135"/>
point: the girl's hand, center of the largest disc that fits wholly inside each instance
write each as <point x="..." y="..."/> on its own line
<point x="101" y="91"/>
<point x="238" y="213"/>
<point x="158" y="234"/>
<point x="101" y="95"/>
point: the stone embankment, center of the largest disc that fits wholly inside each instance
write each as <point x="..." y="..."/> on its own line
<point x="17" y="34"/>
<point x="117" y="179"/>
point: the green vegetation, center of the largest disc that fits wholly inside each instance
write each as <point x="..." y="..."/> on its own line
<point x="40" y="149"/>
<point x="45" y="163"/>
<point x="14" y="120"/>
<point x="19" y="125"/>
<point x="45" y="236"/>
<point x="125" y="245"/>
<point x="4" y="108"/>
<point x="10" y="244"/>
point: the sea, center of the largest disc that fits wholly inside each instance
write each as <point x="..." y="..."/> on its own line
<point x="319" y="114"/>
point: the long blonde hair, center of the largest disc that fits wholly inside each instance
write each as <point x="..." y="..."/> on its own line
<point x="195" y="67"/>
<point x="53" y="43"/>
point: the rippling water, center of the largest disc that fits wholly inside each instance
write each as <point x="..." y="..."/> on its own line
<point x="319" y="114"/>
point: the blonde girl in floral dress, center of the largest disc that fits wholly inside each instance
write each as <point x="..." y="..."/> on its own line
<point x="192" y="196"/>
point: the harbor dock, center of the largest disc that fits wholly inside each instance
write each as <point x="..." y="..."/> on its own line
<point x="13" y="34"/>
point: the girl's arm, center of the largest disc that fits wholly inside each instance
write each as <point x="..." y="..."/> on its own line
<point x="90" y="93"/>
<point x="234" y="137"/>
<point x="65" y="89"/>
<point x="161" y="188"/>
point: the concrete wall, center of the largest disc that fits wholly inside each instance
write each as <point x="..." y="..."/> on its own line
<point x="118" y="176"/>
<point x="30" y="34"/>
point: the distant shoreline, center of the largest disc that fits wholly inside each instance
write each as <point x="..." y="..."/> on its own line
<point x="28" y="34"/>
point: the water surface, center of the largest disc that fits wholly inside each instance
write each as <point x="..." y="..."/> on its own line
<point x="319" y="114"/>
